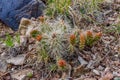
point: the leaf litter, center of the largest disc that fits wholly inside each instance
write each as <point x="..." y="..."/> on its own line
<point x="100" y="62"/>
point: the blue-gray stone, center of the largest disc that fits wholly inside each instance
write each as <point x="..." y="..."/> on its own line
<point x="11" y="11"/>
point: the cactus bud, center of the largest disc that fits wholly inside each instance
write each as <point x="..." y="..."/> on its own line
<point x="38" y="37"/>
<point x="72" y="39"/>
<point x="82" y="41"/>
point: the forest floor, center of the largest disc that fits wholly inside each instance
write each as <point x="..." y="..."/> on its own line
<point x="99" y="62"/>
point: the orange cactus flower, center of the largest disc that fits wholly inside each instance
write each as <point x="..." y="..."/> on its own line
<point x="82" y="40"/>
<point x="61" y="63"/>
<point x="89" y="33"/>
<point x="98" y="35"/>
<point x="42" y="19"/>
<point x="38" y="37"/>
<point x="72" y="39"/>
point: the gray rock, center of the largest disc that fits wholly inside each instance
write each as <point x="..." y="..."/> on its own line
<point x="96" y="72"/>
<point x="82" y="61"/>
<point x="21" y="75"/>
<point x="18" y="60"/>
<point x="3" y="66"/>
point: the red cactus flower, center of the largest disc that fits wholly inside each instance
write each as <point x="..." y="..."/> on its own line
<point x="61" y="63"/>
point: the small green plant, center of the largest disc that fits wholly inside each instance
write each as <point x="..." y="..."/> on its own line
<point x="29" y="75"/>
<point x="9" y="41"/>
<point x="17" y="38"/>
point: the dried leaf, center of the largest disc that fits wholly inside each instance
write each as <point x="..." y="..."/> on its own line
<point x="108" y="76"/>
